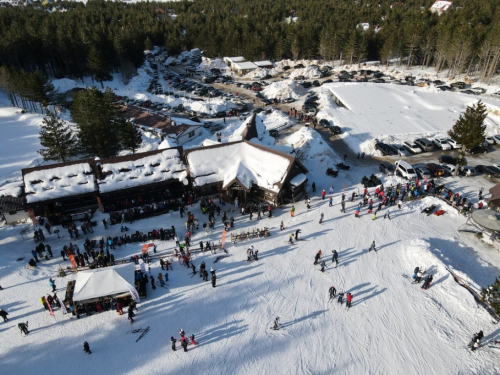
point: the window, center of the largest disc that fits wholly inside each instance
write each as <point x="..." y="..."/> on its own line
<point x="191" y="134"/>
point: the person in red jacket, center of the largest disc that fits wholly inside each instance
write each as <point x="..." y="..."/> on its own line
<point x="349" y="299"/>
<point x="323" y="193"/>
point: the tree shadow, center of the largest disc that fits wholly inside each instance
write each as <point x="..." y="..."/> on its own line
<point x="222" y="332"/>
<point x="371" y="295"/>
<point x="312" y="315"/>
<point x="244" y="278"/>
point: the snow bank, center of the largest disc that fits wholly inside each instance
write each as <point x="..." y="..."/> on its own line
<point x="283" y="90"/>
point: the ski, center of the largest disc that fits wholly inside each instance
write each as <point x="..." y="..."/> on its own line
<point x="137" y="330"/>
<point x="142" y="334"/>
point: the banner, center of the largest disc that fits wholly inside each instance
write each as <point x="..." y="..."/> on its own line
<point x="223" y="237"/>
<point x="145" y="247"/>
<point x="72" y="259"/>
<point x="50" y="307"/>
<point x="63" y="308"/>
<point x="134" y="294"/>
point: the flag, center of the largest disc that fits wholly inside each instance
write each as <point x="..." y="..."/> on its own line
<point x="134" y="294"/>
<point x="63" y="308"/>
<point x="72" y="259"/>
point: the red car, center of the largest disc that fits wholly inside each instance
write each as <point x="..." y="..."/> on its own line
<point x="256" y="88"/>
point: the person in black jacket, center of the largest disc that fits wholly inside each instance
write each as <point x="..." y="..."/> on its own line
<point x="86" y="347"/>
<point x="184" y="344"/>
<point x="173" y="341"/>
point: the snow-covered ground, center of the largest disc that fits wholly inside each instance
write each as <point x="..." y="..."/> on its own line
<point x="393" y="326"/>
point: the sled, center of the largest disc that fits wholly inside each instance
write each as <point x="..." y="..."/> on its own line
<point x="429" y="209"/>
<point x="439" y="213"/>
<point x="343" y="166"/>
<point x="332" y="172"/>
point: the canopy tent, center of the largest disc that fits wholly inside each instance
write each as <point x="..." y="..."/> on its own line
<point x="108" y="281"/>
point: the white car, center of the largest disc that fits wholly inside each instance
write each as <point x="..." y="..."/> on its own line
<point x="450" y="168"/>
<point x="442" y="143"/>
<point x="453" y="143"/>
<point x="490" y="140"/>
<point x="412" y="147"/>
<point x="496" y="94"/>
<point x="402" y="151"/>
<point x="496" y="138"/>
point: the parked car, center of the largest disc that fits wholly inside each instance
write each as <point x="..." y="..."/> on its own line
<point x="215" y="127"/>
<point x="489" y="170"/>
<point x="435" y="169"/>
<point x="423" y="173"/>
<point x="459" y="85"/>
<point x="479" y="90"/>
<point x="385" y="149"/>
<point x="335" y="129"/>
<point x="496" y="138"/>
<point x="299" y="78"/>
<point x="447" y="159"/>
<point x="450" y="169"/>
<point x="412" y="147"/>
<point x="496" y="94"/>
<point x="442" y="143"/>
<point x="327" y="81"/>
<point x="453" y="143"/>
<point x="401" y="150"/>
<point x="288" y="100"/>
<point x="467" y="170"/>
<point x="478" y="150"/>
<point x="324" y="122"/>
<point x="386" y="168"/>
<point x="490" y="140"/>
<point x="424" y="144"/>
<point x="405" y="170"/>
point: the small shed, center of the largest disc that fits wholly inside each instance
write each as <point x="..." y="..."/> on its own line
<point x="243" y="68"/>
<point x="264" y="64"/>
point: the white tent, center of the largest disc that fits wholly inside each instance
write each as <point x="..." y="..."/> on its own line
<point x="108" y="281"/>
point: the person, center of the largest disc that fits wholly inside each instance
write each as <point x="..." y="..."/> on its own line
<point x="173" y="341"/>
<point x="184" y="344"/>
<point x="282" y="226"/>
<point x="476" y="339"/>
<point x="255" y="255"/>
<point x="348" y="300"/>
<point x="345" y="157"/>
<point x="52" y="284"/>
<point x="297" y="234"/>
<point x="276" y="323"/>
<point x="205" y="275"/>
<point x="131" y="315"/>
<point x="321" y="218"/>
<point x="290" y="239"/>
<point x="35" y="255"/>
<point x="308" y="203"/>
<point x="343" y="207"/>
<point x="372" y="247"/>
<point x="341" y="295"/>
<point x="182" y="333"/>
<point x="481" y="193"/>
<point x="4" y="314"/>
<point x="86" y="348"/>
<point x="317" y="257"/>
<point x="332" y="291"/>
<point x="160" y="279"/>
<point x="356" y="214"/>
<point x="387" y="215"/>
<point x="153" y="283"/>
<point x="105" y="223"/>
<point x="363" y="155"/>
<point x="24" y="328"/>
<point x="323" y="266"/>
<point x="313" y="186"/>
<point x="323" y="194"/>
<point x="335" y="257"/>
<point x="330" y="202"/>
<point x="427" y="282"/>
<point x="214" y="278"/>
<point x="292" y="211"/>
<point x="192" y="339"/>
<point x="49" y="250"/>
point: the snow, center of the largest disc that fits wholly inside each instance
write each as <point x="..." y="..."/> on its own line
<point x="237" y="161"/>
<point x="163" y="166"/>
<point x="58" y="182"/>
<point x="298" y="180"/>
<point x="283" y="90"/>
<point x="393" y="327"/>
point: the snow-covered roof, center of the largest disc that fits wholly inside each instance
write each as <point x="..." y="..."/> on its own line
<point x="52" y="183"/>
<point x="235" y="59"/>
<point x="263" y="63"/>
<point x="162" y="166"/>
<point x="247" y="65"/>
<point x="242" y="161"/>
<point x="298" y="180"/>
<point x="441" y="6"/>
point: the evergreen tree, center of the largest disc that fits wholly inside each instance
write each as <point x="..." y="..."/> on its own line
<point x="98" y="122"/>
<point x="491" y="294"/>
<point x="130" y="136"/>
<point x="57" y="139"/>
<point x="469" y="129"/>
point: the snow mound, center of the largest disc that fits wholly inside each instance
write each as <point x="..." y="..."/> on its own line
<point x="308" y="72"/>
<point x="283" y="90"/>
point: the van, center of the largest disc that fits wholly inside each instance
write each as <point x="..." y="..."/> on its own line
<point x="405" y="170"/>
<point x="424" y="144"/>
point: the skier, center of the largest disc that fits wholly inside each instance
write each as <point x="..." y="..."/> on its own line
<point x="86" y="348"/>
<point x="356" y="214"/>
<point x="332" y="291"/>
<point x="173" y="341"/>
<point x="341" y="295"/>
<point x="160" y="279"/>
<point x="282" y="226"/>
<point x="205" y="275"/>
<point x="4" y="314"/>
<point x="330" y="202"/>
<point x="317" y="257"/>
<point x="297" y="234"/>
<point x="331" y="189"/>
<point x="352" y="196"/>
<point x="105" y="223"/>
<point x="427" y="282"/>
<point x="182" y="333"/>
<point x="323" y="265"/>
<point x="24" y="328"/>
<point x="321" y="218"/>
<point x="335" y="257"/>
<point x="130" y="315"/>
<point x="343" y="207"/>
<point x="63" y="254"/>
<point x="372" y="247"/>
<point x="184" y="344"/>
<point x="212" y="271"/>
<point x="153" y="283"/>
<point x="481" y="193"/>
<point x="192" y="339"/>
<point x="308" y="203"/>
<point x="313" y="186"/>
<point x="255" y="255"/>
<point x="52" y="284"/>
<point x="475" y="339"/>
<point x="349" y="300"/>
<point x="290" y="239"/>
<point x="292" y="211"/>
<point x="323" y="194"/>
<point x="374" y="217"/>
<point x="214" y="278"/>
<point x="276" y="323"/>
<point x="35" y="255"/>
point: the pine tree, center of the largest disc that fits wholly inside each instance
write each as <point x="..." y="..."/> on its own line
<point x="57" y="139"/>
<point x="98" y="122"/>
<point x="491" y="294"/>
<point x="469" y="129"/>
<point x="130" y="136"/>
